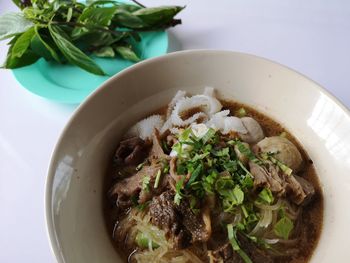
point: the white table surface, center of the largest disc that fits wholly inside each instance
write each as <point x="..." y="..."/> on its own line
<point x="312" y="37"/>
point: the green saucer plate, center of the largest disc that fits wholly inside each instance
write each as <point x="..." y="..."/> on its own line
<point x="70" y="84"/>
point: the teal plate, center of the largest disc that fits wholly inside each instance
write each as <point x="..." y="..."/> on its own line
<point x="70" y="84"/>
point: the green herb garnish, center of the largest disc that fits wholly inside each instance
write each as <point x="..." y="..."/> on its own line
<point x="178" y="188"/>
<point x="232" y="236"/>
<point x="145" y="183"/>
<point x="143" y="241"/>
<point x="156" y="183"/>
<point x="70" y="31"/>
<point x="270" y="156"/>
<point x="266" y="196"/>
<point x="241" y="112"/>
<point x="283" y="227"/>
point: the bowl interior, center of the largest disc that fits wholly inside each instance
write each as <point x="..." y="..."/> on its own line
<point x="75" y="182"/>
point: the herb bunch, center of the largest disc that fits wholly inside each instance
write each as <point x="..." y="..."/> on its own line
<point x="67" y="31"/>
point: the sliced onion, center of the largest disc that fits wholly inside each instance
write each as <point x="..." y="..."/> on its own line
<point x="266" y="219"/>
<point x="271" y="241"/>
<point x="270" y="207"/>
<point x="263" y="223"/>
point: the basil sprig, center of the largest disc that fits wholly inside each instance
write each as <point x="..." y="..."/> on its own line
<point x="69" y="31"/>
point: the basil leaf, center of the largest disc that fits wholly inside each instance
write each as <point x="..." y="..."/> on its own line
<point x="74" y="55"/>
<point x="127" y="53"/>
<point x="43" y="47"/>
<point x="157" y="15"/>
<point x="125" y="19"/>
<point x="28" y="58"/>
<point x="105" y="52"/>
<point x="12" y="24"/>
<point x="22" y="3"/>
<point x="283" y="227"/>
<point x="101" y="16"/>
<point x="23" y="43"/>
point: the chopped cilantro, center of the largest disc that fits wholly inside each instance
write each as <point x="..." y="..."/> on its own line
<point x="195" y="174"/>
<point x="266" y="196"/>
<point x="222" y="152"/>
<point x="247" y="152"/>
<point x="231" y="194"/>
<point x="270" y="156"/>
<point x="209" y="135"/>
<point x="178" y="194"/>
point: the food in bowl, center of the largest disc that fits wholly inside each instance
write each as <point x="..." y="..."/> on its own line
<point x="204" y="180"/>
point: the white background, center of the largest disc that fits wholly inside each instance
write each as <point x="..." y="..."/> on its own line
<point x="312" y="37"/>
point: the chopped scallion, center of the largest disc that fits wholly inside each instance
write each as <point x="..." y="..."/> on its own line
<point x="156" y="183"/>
<point x="241" y="112"/>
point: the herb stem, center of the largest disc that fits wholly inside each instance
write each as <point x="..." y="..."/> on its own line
<point x="138" y="3"/>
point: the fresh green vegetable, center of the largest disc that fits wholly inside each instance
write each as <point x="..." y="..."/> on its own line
<point x="143" y="241"/>
<point x="266" y="196"/>
<point x="145" y="183"/>
<point x="139" y="167"/>
<point x="70" y="31"/>
<point x="156" y="183"/>
<point x="178" y="194"/>
<point x="283" y="227"/>
<point x="241" y="112"/>
<point x="246" y="151"/>
<point x="232" y="236"/>
<point x="282" y="166"/>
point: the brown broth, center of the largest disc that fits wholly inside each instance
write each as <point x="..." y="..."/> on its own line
<point x="312" y="217"/>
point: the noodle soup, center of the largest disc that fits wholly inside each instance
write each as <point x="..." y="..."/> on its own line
<point x="204" y="180"/>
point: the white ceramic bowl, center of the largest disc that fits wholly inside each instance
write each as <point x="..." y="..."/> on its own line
<point x="74" y="186"/>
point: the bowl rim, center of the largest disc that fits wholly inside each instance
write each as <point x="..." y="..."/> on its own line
<point x="54" y="245"/>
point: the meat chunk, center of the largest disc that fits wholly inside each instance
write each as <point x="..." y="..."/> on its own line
<point x="266" y="178"/>
<point x="165" y="215"/>
<point x="177" y="220"/>
<point x="163" y="212"/>
<point x="147" y="193"/>
<point x="294" y="187"/>
<point x="132" y="151"/>
<point x="308" y="188"/>
<point x="157" y="150"/>
<point x="193" y="223"/>
<point x="132" y="186"/>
